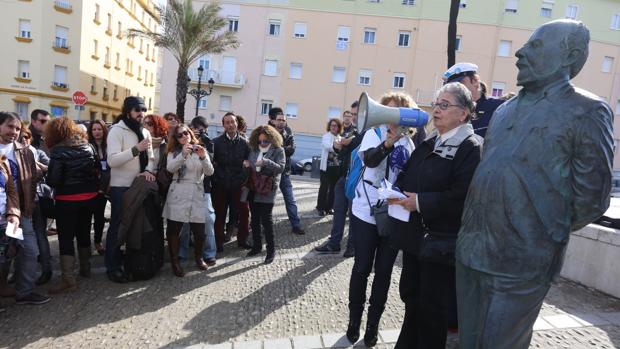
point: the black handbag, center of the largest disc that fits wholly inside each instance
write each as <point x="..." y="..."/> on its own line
<point x="380" y="212"/>
<point x="437" y="247"/>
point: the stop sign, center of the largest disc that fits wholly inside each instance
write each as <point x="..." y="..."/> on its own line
<point x="79" y="98"/>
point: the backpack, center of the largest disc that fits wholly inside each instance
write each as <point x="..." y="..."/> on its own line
<point x="356" y="170"/>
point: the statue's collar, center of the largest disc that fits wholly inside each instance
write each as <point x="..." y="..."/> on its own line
<point x="551" y="92"/>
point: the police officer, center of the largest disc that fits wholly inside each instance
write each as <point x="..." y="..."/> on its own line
<point x="467" y="74"/>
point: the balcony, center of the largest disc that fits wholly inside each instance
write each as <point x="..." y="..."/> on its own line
<point x="60" y="86"/>
<point x="60" y="45"/>
<point x="63" y="6"/>
<point x="222" y="78"/>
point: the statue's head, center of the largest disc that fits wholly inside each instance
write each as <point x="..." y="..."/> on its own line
<point x="556" y="50"/>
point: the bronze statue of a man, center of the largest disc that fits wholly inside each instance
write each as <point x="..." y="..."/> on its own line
<point x="545" y="171"/>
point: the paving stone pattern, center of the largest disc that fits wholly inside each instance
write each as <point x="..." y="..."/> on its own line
<point x="299" y="301"/>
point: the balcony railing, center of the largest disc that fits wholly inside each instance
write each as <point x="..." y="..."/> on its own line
<point x="61" y="43"/>
<point x="221" y="77"/>
<point x="63" y="4"/>
<point x="60" y="84"/>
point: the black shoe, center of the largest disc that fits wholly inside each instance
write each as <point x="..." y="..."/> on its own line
<point x="329" y="211"/>
<point x="33" y="299"/>
<point x="370" y="337"/>
<point x="348" y="253"/>
<point x="269" y="258"/>
<point x="327" y="248"/>
<point x="12" y="278"/>
<point x="322" y="213"/>
<point x="353" y="331"/>
<point x="298" y="231"/>
<point x="118" y="277"/>
<point x="244" y="245"/>
<point x="252" y="253"/>
<point x="45" y="277"/>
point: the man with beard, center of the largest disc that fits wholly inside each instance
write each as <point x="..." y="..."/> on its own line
<point x="130" y="154"/>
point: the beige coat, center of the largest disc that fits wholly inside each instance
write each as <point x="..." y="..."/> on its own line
<point x="124" y="166"/>
<point x="185" y="201"/>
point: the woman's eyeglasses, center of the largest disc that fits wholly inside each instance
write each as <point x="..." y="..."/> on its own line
<point x="182" y="134"/>
<point x="444" y="105"/>
<point x="137" y="110"/>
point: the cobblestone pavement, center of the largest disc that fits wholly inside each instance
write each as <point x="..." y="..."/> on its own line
<point x="299" y="301"/>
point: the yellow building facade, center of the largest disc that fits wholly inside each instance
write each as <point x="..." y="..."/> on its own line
<point x="51" y="49"/>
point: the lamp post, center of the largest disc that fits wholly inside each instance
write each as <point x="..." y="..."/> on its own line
<point x="198" y="93"/>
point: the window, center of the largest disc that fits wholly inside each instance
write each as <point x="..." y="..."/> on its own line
<point x="274" y="28"/>
<point x="96" y="19"/>
<point x="503" y="50"/>
<point x="60" y="76"/>
<point x="344" y="33"/>
<point x="364" y="77"/>
<point x="334" y="112"/>
<point x="608" y="62"/>
<point x="295" y="71"/>
<point x="107" y="56"/>
<point x="265" y="105"/>
<point x="233" y="24"/>
<point x="205" y="63"/>
<point x="203" y="103"/>
<point x="511" y="6"/>
<point x="105" y="89"/>
<point x="457" y="44"/>
<point x="141" y="45"/>
<point x="58" y="111"/>
<point x="497" y="89"/>
<point x="546" y="8"/>
<point x="110" y="23"/>
<point x="271" y="67"/>
<point x="21" y="109"/>
<point x="62" y="36"/>
<point x="93" y="84"/>
<point x="300" y="30"/>
<point x="95" y="47"/>
<point x="463" y="4"/>
<point x="225" y="103"/>
<point x="24" y="28"/>
<point x="339" y="74"/>
<point x="615" y="21"/>
<point x="369" y="35"/>
<point x="403" y="38"/>
<point x="618" y="107"/>
<point x="571" y="11"/>
<point x="115" y="92"/>
<point x="23" y="69"/>
<point x="409" y="2"/>
<point x="375" y="1"/>
<point x="399" y="80"/>
<point x="120" y="29"/>
<point x="148" y="51"/>
<point x="291" y="110"/>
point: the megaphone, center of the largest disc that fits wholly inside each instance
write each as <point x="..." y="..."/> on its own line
<point x="370" y="113"/>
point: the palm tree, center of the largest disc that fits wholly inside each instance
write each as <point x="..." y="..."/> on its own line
<point x="188" y="35"/>
<point x="454" y="14"/>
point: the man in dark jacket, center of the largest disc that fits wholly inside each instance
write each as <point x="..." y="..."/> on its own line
<point x="285" y="180"/>
<point x="229" y="152"/>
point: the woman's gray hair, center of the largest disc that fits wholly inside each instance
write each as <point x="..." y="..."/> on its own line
<point x="462" y="95"/>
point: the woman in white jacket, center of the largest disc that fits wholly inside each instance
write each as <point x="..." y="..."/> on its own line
<point x="330" y="167"/>
<point x="189" y="163"/>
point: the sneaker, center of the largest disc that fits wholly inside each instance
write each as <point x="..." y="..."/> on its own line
<point x="33" y="298"/>
<point x="210" y="261"/>
<point x="327" y="248"/>
<point x="298" y="231"/>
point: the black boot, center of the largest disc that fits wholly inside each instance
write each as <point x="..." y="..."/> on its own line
<point x="353" y="331"/>
<point x="370" y="337"/>
<point x="45" y="277"/>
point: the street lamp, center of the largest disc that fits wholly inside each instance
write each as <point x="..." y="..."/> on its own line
<point x="198" y="93"/>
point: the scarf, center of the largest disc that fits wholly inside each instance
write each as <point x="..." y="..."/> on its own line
<point x="448" y="148"/>
<point x="136" y="127"/>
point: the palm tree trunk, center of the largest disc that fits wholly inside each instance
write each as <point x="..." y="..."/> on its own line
<point x="454" y="14"/>
<point x="182" y="87"/>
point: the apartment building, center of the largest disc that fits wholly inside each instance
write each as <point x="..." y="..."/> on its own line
<point x="52" y="49"/>
<point x="315" y="57"/>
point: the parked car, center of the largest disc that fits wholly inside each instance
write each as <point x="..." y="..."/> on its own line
<point x="297" y="168"/>
<point x="306" y="164"/>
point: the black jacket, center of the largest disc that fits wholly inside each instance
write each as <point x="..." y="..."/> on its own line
<point x="228" y="156"/>
<point x="74" y="168"/>
<point x="441" y="185"/>
<point x="289" y="148"/>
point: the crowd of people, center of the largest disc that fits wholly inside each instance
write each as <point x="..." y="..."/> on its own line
<point x="211" y="190"/>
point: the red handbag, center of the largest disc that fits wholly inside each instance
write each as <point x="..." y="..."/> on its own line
<point x="261" y="184"/>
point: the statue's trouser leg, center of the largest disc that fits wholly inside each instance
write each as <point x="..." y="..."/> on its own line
<point x="496" y="312"/>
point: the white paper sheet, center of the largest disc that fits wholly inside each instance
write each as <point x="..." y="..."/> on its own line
<point x="14" y="233"/>
<point x="394" y="211"/>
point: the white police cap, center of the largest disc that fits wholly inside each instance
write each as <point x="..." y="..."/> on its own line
<point x="458" y="71"/>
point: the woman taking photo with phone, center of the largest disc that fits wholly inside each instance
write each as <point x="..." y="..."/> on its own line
<point x="189" y="163"/>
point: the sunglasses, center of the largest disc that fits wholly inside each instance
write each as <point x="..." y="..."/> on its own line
<point x="264" y="142"/>
<point x="137" y="110"/>
<point x="182" y="134"/>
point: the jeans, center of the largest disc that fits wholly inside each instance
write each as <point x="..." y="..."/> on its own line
<point x="26" y="260"/>
<point x="262" y="218"/>
<point x="341" y="206"/>
<point x="289" y="200"/>
<point x="73" y="220"/>
<point x="209" y="249"/>
<point x="113" y="256"/>
<point x="370" y="249"/>
<point x="39" y="222"/>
